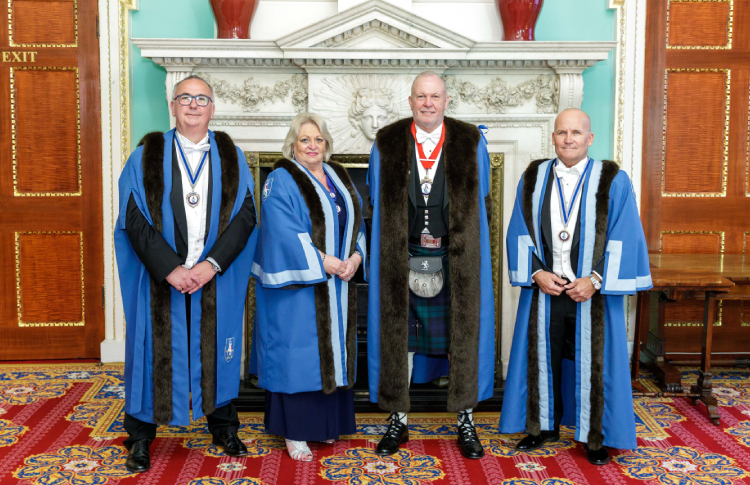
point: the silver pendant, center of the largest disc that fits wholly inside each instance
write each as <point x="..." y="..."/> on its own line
<point x="564" y="235"/>
<point x="193" y="199"/>
<point x="426" y="188"/>
<point x="338" y="208"/>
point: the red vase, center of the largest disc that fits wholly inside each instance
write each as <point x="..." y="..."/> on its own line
<point x="519" y="18"/>
<point x="233" y="17"/>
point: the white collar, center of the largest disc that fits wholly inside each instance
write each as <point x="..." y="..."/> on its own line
<point x="439" y="129"/>
<point x="189" y="144"/>
<point x="577" y="169"/>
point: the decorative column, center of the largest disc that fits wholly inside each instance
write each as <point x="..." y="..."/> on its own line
<point x="178" y="68"/>
<point x="570" y="74"/>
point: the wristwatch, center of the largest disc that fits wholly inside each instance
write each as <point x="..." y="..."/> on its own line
<point x="214" y="265"/>
<point x="594" y="281"/>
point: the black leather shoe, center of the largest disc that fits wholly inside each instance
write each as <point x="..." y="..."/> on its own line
<point x="397" y="434"/>
<point x="597" y="457"/>
<point x="532" y="442"/>
<point x="233" y="445"/>
<point x="468" y="441"/>
<point x="138" y="458"/>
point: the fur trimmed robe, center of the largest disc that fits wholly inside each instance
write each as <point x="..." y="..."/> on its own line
<point x="156" y="371"/>
<point x="610" y="228"/>
<point x="471" y="304"/>
<point x="298" y="218"/>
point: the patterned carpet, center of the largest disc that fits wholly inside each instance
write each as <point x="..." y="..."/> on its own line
<point x="61" y="424"/>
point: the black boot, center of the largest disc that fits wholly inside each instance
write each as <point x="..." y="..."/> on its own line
<point x="398" y="433"/>
<point x="597" y="457"/>
<point x="138" y="459"/>
<point x="233" y="445"/>
<point x="532" y="442"/>
<point x="468" y="441"/>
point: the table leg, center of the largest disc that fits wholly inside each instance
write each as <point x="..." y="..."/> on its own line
<point x="704" y="388"/>
<point x="642" y="321"/>
<point x="668" y="377"/>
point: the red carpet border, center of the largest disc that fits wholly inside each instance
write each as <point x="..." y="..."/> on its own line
<point x="61" y="424"/>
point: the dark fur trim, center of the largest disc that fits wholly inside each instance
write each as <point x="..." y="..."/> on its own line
<point x="161" y="294"/>
<point x="351" y="317"/>
<point x="230" y="179"/>
<point x="462" y="176"/>
<point x="322" y="304"/>
<point x="161" y="314"/>
<point x="595" y="437"/>
<point x="533" y="424"/>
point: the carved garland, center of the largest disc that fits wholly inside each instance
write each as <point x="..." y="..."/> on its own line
<point x="499" y="96"/>
<point x="251" y="95"/>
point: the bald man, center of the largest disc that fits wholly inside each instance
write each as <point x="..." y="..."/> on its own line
<point x="430" y="268"/>
<point x="575" y="247"/>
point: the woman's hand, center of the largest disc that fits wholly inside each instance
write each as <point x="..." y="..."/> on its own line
<point x="333" y="265"/>
<point x="350" y="267"/>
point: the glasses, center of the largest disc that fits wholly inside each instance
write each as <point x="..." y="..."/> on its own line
<point x="187" y="99"/>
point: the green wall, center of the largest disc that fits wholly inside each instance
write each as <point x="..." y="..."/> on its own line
<point x="559" y="20"/>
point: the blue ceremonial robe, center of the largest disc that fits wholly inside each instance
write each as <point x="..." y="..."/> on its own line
<point x="285" y="348"/>
<point x="626" y="271"/>
<point x="429" y="367"/>
<point x="231" y="287"/>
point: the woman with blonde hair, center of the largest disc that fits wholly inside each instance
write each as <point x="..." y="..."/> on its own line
<point x="311" y="242"/>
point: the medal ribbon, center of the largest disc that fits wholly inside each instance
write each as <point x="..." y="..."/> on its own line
<point x="427" y="163"/>
<point x="567" y="211"/>
<point x="193" y="179"/>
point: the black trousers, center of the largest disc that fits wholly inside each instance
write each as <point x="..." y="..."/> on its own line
<point x="562" y="335"/>
<point x="224" y="419"/>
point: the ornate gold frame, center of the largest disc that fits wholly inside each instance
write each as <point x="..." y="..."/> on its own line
<point x="730" y="26"/>
<point x="258" y="160"/>
<point x="14" y="139"/>
<point x="10" y="29"/>
<point x="725" y="163"/>
<point x="21" y="323"/>
<point x="720" y="233"/>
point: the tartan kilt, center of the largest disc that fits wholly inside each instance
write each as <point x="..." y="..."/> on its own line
<point x="429" y="318"/>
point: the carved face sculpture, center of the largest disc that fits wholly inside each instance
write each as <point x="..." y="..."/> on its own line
<point x="373" y="119"/>
<point x="371" y="110"/>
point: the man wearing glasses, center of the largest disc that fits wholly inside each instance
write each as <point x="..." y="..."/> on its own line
<point x="181" y="240"/>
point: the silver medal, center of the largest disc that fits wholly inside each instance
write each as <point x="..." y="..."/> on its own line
<point x="193" y="199"/>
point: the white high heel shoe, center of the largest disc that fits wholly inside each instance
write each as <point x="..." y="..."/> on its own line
<point x="298" y="450"/>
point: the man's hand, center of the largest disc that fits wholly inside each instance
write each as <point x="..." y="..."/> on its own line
<point x="549" y="283"/>
<point x="183" y="279"/>
<point x="203" y="272"/>
<point x="350" y="267"/>
<point x="333" y="265"/>
<point x="580" y="290"/>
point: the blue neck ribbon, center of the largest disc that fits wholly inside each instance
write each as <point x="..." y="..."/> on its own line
<point x="567" y="211"/>
<point x="193" y="179"/>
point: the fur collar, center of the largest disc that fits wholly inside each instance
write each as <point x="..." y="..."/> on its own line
<point x="462" y="177"/>
<point x="322" y="302"/>
<point x="533" y="425"/>
<point x="161" y="295"/>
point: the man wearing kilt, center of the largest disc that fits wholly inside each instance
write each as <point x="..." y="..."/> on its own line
<point x="431" y="305"/>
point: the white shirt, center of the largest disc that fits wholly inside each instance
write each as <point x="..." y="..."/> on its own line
<point x="561" y="249"/>
<point x="196" y="216"/>
<point x="428" y="146"/>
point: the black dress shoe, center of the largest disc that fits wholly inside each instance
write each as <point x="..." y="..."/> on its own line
<point x="138" y="459"/>
<point x="397" y="434"/>
<point x="233" y="445"/>
<point x="468" y="441"/>
<point x="597" y="457"/>
<point x="532" y="442"/>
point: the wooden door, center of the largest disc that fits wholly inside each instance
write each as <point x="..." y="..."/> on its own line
<point x="51" y="247"/>
<point x="696" y="185"/>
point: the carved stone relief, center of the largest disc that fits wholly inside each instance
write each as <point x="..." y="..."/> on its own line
<point x="498" y="95"/>
<point x="251" y="95"/>
<point x="355" y="107"/>
<point x="373" y="25"/>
